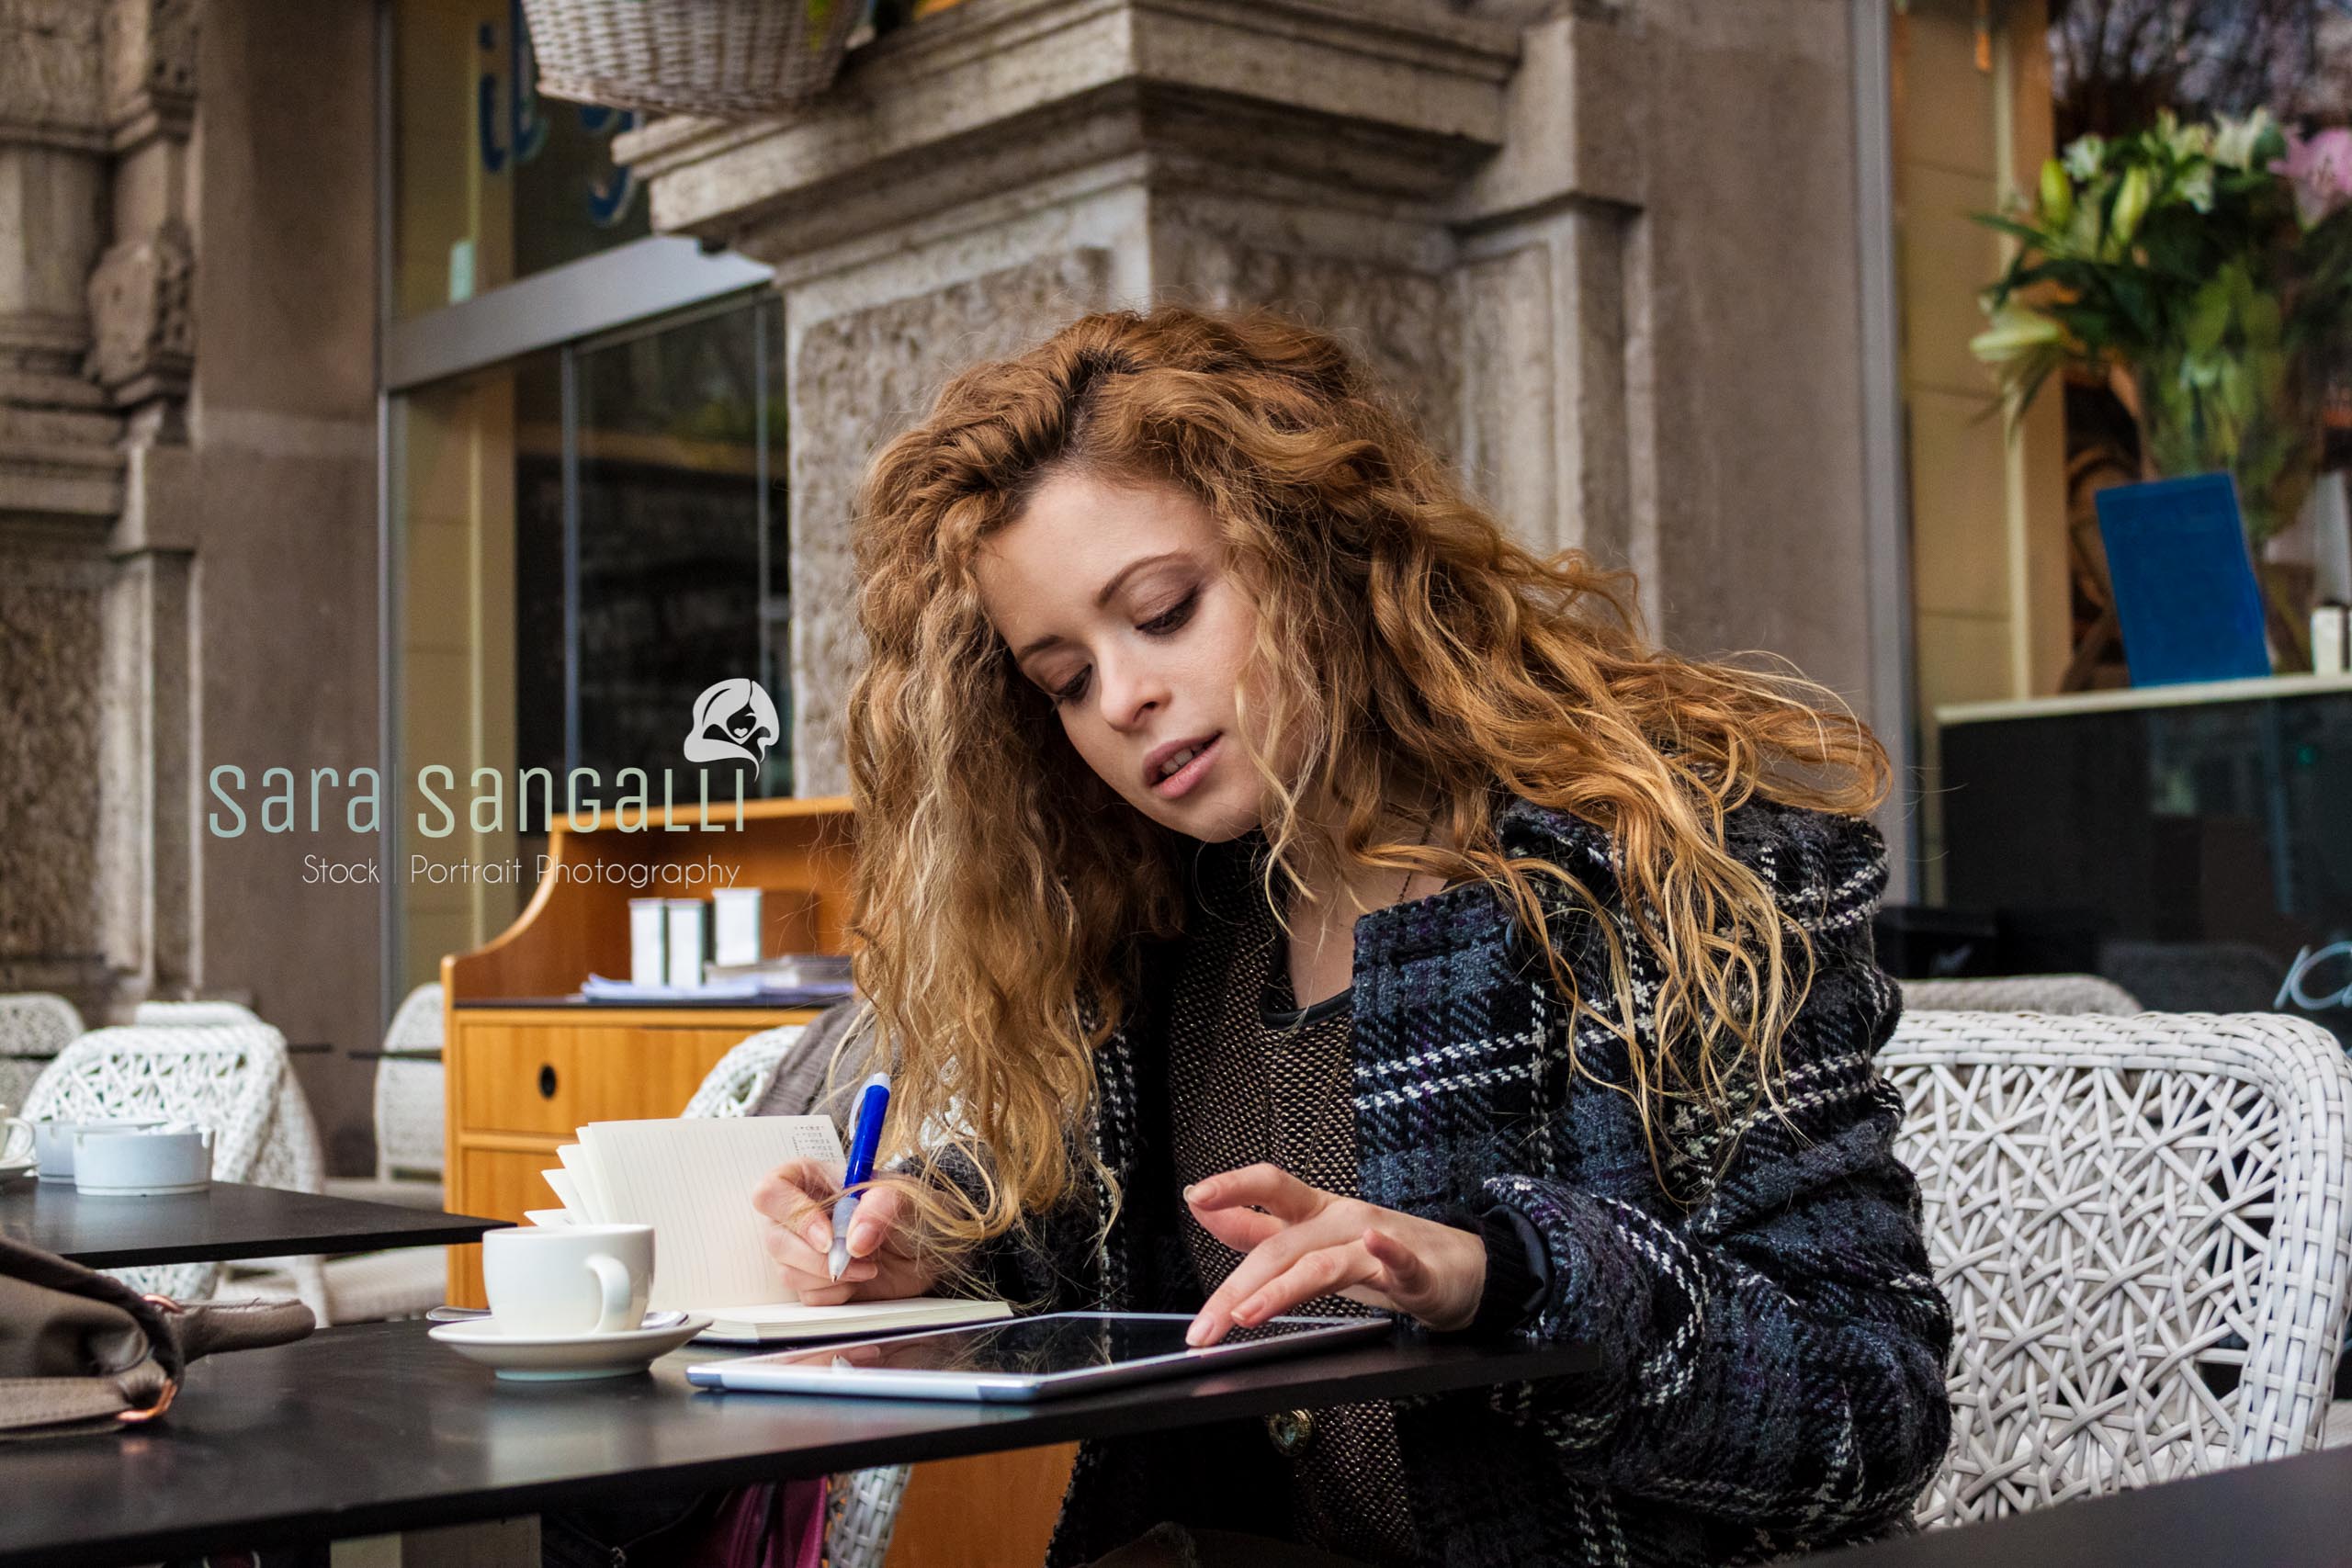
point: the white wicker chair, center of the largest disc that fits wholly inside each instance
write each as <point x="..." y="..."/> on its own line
<point x="400" y="1282"/>
<point x="291" y="1157"/>
<point x="740" y="1080"/>
<point x="34" y="1027"/>
<point x="862" y="1504"/>
<point x="2141" y="1225"/>
<point x="411" y="1115"/>
<point x="2065" y="994"/>
<point x="184" y="1015"/>
<point x="230" y="1078"/>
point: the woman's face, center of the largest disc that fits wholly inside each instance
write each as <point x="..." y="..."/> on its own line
<point x="1114" y="599"/>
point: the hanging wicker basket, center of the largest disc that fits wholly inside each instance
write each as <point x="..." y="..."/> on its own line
<point x="742" y="58"/>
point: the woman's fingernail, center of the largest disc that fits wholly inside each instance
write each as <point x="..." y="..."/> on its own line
<point x="1197" y="1332"/>
<point x="861" y="1240"/>
<point x="821" y="1237"/>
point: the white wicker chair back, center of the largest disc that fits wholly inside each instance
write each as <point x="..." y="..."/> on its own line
<point x="2064" y="994"/>
<point x="741" y="1078"/>
<point x="292" y="1157"/>
<point x="34" y="1026"/>
<point x="185" y="1015"/>
<point x="861" y="1505"/>
<point x="410" y="1114"/>
<point x="2142" y="1226"/>
<point x="225" y="1077"/>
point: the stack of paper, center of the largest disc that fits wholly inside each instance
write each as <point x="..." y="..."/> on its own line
<point x="750" y="989"/>
<point x="692" y="1179"/>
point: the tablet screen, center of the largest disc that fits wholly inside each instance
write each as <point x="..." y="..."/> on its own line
<point x="1037" y="1346"/>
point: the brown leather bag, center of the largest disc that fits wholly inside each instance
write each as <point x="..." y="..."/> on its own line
<point x="82" y="1352"/>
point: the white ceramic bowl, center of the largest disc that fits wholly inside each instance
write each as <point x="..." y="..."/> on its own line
<point x="53" y="1143"/>
<point x="140" y="1164"/>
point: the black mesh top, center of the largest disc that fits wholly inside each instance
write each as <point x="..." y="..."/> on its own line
<point x="1253" y="1077"/>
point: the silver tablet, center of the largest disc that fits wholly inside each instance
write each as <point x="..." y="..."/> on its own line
<point x="1028" y="1357"/>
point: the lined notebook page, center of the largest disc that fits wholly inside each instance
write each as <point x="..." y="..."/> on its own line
<point x="587" y="1199"/>
<point x="692" y="1181"/>
<point x="567" y="1193"/>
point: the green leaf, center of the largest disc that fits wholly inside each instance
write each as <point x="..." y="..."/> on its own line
<point x="2263" y="321"/>
<point x="2057" y="195"/>
<point x="2133" y="195"/>
<point x="2025" y="233"/>
<point x="2017" y="330"/>
<point x="2207" y="318"/>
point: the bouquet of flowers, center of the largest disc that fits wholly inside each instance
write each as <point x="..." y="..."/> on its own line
<point x="2206" y="272"/>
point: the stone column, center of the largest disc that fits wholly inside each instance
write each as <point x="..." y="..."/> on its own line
<point x="96" y="347"/>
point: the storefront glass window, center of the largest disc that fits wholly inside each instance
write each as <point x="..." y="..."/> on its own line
<point x="590" y="539"/>
<point x="2179" y="841"/>
<point x="492" y="182"/>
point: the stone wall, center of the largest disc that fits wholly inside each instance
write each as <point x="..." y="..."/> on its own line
<point x="187" y="537"/>
<point x="284" y="434"/>
<point x="858" y="379"/>
<point x="96" y="116"/>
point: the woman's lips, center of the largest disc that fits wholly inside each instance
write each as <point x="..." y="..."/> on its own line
<point x="1180" y="781"/>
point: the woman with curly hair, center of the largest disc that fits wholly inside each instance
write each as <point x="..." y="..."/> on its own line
<point x="1277" y="891"/>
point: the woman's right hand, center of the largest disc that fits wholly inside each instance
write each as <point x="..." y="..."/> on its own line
<point x="797" y="1201"/>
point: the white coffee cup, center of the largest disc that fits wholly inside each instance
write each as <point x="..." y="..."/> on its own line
<point x="53" y="1141"/>
<point x="574" y="1280"/>
<point x="12" y="1148"/>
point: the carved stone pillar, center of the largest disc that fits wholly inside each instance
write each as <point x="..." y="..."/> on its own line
<point x="95" y="349"/>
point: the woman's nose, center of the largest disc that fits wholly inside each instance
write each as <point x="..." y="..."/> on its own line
<point x="1131" y="693"/>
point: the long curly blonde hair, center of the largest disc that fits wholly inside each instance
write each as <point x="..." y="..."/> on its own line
<point x="1408" y="650"/>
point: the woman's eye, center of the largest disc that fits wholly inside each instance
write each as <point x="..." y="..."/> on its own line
<point x="1167" y="620"/>
<point x="1174" y="616"/>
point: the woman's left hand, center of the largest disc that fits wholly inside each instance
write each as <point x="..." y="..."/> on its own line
<point x="1311" y="1243"/>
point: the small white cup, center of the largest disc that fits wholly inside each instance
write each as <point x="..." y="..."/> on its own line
<point x="12" y="1148"/>
<point x="53" y="1141"/>
<point x="574" y="1280"/>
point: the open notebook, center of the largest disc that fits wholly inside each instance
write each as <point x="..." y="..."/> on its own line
<point x="691" y="1180"/>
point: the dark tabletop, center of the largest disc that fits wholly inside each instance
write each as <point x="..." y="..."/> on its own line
<point x="228" y="1220"/>
<point x="374" y="1428"/>
<point x="2286" y="1513"/>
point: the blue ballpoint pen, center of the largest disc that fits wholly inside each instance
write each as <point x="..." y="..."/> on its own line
<point x="865" y="1137"/>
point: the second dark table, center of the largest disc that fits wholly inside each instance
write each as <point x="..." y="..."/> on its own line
<point x="228" y="1220"/>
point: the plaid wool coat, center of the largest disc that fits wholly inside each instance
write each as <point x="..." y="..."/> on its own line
<point x="1771" y="1348"/>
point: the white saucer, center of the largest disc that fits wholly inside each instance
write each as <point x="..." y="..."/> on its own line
<point x="566" y="1357"/>
<point x="10" y="1168"/>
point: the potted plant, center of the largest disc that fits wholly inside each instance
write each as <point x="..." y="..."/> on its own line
<point x="2205" y="272"/>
